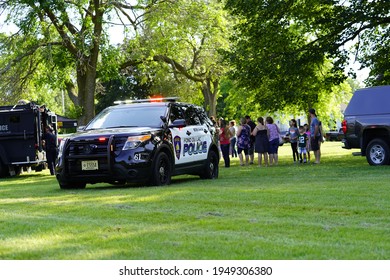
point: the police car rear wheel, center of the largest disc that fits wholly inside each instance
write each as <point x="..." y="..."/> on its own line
<point x="162" y="170"/>
<point x="211" y="169"/>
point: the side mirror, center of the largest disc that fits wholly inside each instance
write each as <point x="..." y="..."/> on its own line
<point x="81" y="128"/>
<point x="179" y="123"/>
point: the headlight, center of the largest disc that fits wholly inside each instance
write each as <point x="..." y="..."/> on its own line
<point x="61" y="146"/>
<point x="135" y="141"/>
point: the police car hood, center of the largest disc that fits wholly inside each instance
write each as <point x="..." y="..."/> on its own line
<point x="122" y="131"/>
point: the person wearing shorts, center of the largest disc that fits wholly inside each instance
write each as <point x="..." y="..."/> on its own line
<point x="315" y="135"/>
<point x="302" y="145"/>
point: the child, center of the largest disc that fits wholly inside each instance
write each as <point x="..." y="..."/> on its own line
<point x="307" y="129"/>
<point x="302" y="144"/>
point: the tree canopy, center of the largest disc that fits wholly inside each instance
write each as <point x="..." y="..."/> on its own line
<point x="288" y="51"/>
<point x="281" y="54"/>
<point x="68" y="38"/>
<point x="71" y="42"/>
<point x="186" y="36"/>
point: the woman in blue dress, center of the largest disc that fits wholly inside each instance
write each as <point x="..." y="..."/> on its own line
<point x="243" y="141"/>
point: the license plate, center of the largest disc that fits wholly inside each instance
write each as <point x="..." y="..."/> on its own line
<point x="89" y="165"/>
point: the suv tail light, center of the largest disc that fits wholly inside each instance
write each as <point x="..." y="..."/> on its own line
<point x="344" y="126"/>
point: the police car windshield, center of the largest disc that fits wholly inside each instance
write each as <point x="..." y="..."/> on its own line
<point x="142" y="116"/>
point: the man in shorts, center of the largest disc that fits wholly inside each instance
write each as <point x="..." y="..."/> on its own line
<point x="315" y="135"/>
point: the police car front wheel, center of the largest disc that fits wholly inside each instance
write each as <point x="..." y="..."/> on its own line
<point x="162" y="170"/>
<point x="211" y="168"/>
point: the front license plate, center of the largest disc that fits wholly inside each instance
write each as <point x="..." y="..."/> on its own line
<point x="89" y="165"/>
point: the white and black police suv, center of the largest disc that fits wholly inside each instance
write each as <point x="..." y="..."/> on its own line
<point x="140" y="141"/>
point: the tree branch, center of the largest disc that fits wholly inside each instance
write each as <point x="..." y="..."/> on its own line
<point x="26" y="54"/>
<point x="177" y="67"/>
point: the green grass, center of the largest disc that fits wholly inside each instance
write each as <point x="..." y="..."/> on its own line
<point x="336" y="210"/>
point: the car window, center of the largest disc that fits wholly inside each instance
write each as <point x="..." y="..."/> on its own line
<point x="191" y="116"/>
<point x="203" y="117"/>
<point x="176" y="113"/>
<point x="128" y="116"/>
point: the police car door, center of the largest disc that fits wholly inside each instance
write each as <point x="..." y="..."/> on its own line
<point x="191" y="142"/>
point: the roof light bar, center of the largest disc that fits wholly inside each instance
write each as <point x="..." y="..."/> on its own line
<point x="150" y="100"/>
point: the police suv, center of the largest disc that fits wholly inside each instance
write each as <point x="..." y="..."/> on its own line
<point x="140" y="141"/>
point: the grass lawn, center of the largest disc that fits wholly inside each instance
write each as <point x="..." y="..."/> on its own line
<point x="339" y="209"/>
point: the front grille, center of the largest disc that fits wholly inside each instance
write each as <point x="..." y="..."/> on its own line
<point x="102" y="151"/>
<point x="95" y="147"/>
<point x="87" y="148"/>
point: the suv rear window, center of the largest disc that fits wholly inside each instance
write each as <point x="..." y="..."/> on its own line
<point x="128" y="116"/>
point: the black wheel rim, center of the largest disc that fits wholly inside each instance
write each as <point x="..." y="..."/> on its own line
<point x="163" y="171"/>
<point x="213" y="167"/>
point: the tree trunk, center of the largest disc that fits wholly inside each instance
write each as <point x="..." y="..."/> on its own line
<point x="86" y="82"/>
<point x="72" y="92"/>
<point x="210" y="94"/>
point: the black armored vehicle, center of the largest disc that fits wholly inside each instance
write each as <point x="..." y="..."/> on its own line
<point x="22" y="127"/>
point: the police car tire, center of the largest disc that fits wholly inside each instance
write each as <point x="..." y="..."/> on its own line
<point x="162" y="170"/>
<point x="211" y="168"/>
<point x="72" y="186"/>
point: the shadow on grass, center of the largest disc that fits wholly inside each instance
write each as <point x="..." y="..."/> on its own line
<point x="106" y="186"/>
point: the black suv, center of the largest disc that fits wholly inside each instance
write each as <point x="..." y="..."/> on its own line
<point x="140" y="141"/>
<point x="366" y="124"/>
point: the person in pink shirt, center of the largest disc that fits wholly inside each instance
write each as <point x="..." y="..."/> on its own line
<point x="224" y="141"/>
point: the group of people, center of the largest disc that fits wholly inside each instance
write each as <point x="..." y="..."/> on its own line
<point x="247" y="138"/>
